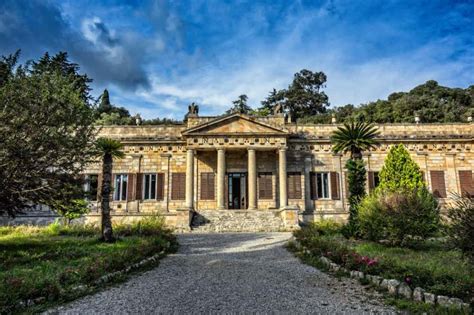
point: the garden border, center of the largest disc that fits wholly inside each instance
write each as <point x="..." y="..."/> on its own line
<point x="392" y="286"/>
<point x="88" y="288"/>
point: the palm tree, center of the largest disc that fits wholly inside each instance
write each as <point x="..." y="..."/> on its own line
<point x="107" y="149"/>
<point x="355" y="138"/>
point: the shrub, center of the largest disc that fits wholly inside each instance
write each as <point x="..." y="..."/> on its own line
<point x="356" y="181"/>
<point x="400" y="217"/>
<point x="461" y="228"/>
<point x="400" y="171"/>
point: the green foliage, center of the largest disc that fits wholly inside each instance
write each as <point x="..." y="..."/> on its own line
<point x="161" y="121"/>
<point x="46" y="132"/>
<point x="400" y="171"/>
<point x="461" y="225"/>
<point x="72" y="209"/>
<point x="432" y="266"/>
<point x="240" y="105"/>
<point x="354" y="137"/>
<point x="401" y="217"/>
<point x="114" y="119"/>
<point x="109" y="146"/>
<point x="357" y="177"/>
<point x="434" y="103"/>
<point x="322" y="227"/>
<point x="50" y="261"/>
<point x="303" y="97"/>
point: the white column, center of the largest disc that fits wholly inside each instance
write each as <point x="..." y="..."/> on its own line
<point x="252" y="169"/>
<point x="189" y="178"/>
<point x="282" y="176"/>
<point x="220" y="179"/>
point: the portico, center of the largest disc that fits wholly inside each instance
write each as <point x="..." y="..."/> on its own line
<point x="237" y="142"/>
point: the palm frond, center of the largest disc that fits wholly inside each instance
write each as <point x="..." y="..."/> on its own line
<point x="109" y="146"/>
<point x="350" y="137"/>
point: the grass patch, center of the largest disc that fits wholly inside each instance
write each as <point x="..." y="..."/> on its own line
<point x="46" y="264"/>
<point x="432" y="266"/>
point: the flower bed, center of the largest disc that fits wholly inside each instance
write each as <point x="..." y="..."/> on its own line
<point x="433" y="267"/>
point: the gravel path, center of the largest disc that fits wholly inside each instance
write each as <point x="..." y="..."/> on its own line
<point x="232" y="273"/>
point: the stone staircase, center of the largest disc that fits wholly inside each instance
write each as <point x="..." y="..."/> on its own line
<point x="205" y="221"/>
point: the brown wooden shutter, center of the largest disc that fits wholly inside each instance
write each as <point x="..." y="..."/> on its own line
<point x="346" y="184"/>
<point x="160" y="186"/>
<point x="335" y="195"/>
<point x="131" y="186"/>
<point x="139" y="186"/>
<point x="99" y="186"/>
<point x="371" y="180"/>
<point x="207" y="186"/>
<point x="178" y="186"/>
<point x="313" y="186"/>
<point x="265" y="189"/>
<point x="438" y="185"/>
<point x="466" y="183"/>
<point x="294" y="185"/>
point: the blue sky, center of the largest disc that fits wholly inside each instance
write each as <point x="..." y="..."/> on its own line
<point x="156" y="57"/>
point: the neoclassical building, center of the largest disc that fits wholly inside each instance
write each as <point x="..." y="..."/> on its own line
<point x="238" y="172"/>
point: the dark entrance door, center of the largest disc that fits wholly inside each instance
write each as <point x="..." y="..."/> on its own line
<point x="237" y="190"/>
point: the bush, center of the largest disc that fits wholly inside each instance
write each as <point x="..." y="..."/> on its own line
<point x="399" y="217"/>
<point x="357" y="177"/>
<point x="461" y="228"/>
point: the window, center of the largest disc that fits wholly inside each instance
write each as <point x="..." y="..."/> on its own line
<point x="178" y="181"/>
<point x="322" y="182"/>
<point x="120" y="191"/>
<point x="149" y="188"/>
<point x="374" y="180"/>
<point x="92" y="186"/>
<point x="467" y="183"/>
<point x="324" y="185"/>
<point x="438" y="185"/>
<point x="207" y="186"/>
<point x="294" y="185"/>
<point x="265" y="186"/>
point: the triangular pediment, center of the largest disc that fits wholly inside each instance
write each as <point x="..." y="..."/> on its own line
<point x="234" y="124"/>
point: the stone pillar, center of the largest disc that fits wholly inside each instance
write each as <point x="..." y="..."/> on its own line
<point x="308" y="203"/>
<point x="282" y="177"/>
<point x="220" y="179"/>
<point x="189" y="179"/>
<point x="252" y="169"/>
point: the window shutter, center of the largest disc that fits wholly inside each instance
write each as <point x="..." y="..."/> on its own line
<point x="371" y="180"/>
<point x="160" y="186"/>
<point x="466" y="182"/>
<point x="99" y="186"/>
<point x="313" y="186"/>
<point x="138" y="186"/>
<point x="438" y="185"/>
<point x="131" y="187"/>
<point x="294" y="185"/>
<point x="265" y="190"/>
<point x="207" y="186"/>
<point x="178" y="186"/>
<point x="335" y="186"/>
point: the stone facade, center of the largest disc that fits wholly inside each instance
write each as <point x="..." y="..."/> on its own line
<point x="236" y="150"/>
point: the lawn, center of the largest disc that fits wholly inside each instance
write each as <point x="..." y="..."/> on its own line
<point x="432" y="265"/>
<point x="46" y="265"/>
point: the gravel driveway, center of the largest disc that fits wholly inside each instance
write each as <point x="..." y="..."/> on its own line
<point x="232" y="273"/>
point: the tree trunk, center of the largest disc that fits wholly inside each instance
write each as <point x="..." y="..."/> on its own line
<point x="106" y="222"/>
<point x="356" y="154"/>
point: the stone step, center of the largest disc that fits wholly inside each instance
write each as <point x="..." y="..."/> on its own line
<point x="237" y="221"/>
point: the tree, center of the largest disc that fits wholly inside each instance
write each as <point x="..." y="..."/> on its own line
<point x="7" y="65"/>
<point x="107" y="149"/>
<point x="105" y="106"/>
<point x="400" y="171"/>
<point x="303" y="97"/>
<point x="46" y="138"/>
<point x="60" y="64"/>
<point x="240" y="105"/>
<point x="354" y="137"/>
<point x="108" y="114"/>
<point x="73" y="209"/>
